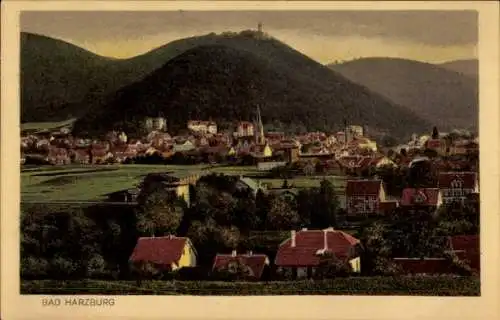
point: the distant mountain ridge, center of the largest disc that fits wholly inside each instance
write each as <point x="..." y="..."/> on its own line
<point x="469" y="67"/>
<point x="225" y="83"/>
<point x="445" y="98"/>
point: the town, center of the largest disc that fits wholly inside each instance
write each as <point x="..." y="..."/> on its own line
<point x="404" y="209"/>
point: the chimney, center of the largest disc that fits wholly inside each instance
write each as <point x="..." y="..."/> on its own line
<point x="293" y="234"/>
<point x="233" y="253"/>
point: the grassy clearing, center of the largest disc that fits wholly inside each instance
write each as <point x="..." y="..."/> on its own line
<point x="93" y="182"/>
<point x="88" y="183"/>
<point x="34" y="126"/>
<point x="405" y="286"/>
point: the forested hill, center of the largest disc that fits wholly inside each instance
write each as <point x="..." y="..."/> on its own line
<point x="446" y="98"/>
<point x="225" y="83"/>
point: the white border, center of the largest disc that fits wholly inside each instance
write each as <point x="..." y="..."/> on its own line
<point x="15" y="306"/>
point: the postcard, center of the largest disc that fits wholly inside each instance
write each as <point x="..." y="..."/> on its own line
<point x="233" y="159"/>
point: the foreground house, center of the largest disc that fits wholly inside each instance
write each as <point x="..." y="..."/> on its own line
<point x="456" y="186"/>
<point x="167" y="253"/>
<point x="301" y="253"/>
<point x="465" y="247"/>
<point x="255" y="264"/>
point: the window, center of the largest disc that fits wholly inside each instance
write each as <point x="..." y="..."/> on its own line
<point x="457" y="184"/>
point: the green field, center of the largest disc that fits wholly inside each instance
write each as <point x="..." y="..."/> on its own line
<point x="93" y="183"/>
<point x="38" y="126"/>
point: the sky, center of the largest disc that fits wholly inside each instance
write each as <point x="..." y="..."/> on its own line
<point x="326" y="36"/>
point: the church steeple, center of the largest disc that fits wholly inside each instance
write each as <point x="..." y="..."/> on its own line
<point x="259" y="129"/>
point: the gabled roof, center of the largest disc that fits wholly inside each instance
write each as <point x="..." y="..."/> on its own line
<point x="307" y="244"/>
<point x="423" y="196"/>
<point x="256" y="262"/>
<point x="468" y="179"/>
<point x="363" y="187"/>
<point x="159" y="250"/>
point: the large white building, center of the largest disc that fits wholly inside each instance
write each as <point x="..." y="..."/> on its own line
<point x="202" y="126"/>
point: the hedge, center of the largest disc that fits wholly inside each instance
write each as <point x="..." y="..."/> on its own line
<point x="429" y="286"/>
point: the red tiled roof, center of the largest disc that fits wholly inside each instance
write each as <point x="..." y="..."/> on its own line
<point x="468" y="179"/>
<point x="308" y="242"/>
<point x="363" y="187"/>
<point x="421" y="266"/>
<point x="256" y="262"/>
<point x="159" y="250"/>
<point x="467" y="247"/>
<point x="424" y="196"/>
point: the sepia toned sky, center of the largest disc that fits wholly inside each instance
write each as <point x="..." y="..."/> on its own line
<point x="326" y="36"/>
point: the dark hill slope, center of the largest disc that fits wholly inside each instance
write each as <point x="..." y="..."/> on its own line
<point x="469" y="67"/>
<point x="62" y="81"/>
<point x="445" y="98"/>
<point x="226" y="84"/>
<point x="55" y="73"/>
<point x="57" y="77"/>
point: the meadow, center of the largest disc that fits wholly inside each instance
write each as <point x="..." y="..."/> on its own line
<point x="40" y="126"/>
<point x="402" y="286"/>
<point x="94" y="182"/>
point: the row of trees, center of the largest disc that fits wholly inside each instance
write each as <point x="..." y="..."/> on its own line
<point x="222" y="216"/>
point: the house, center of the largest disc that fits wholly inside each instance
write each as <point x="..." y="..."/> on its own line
<point x="437" y="145"/>
<point x="340" y="136"/>
<point x="100" y="155"/>
<point x="245" y="129"/>
<point x="81" y="156"/>
<point x="167" y="253"/>
<point x="178" y="186"/>
<point x="363" y="197"/>
<point x="184" y="146"/>
<point x="261" y="151"/>
<point x="301" y="253"/>
<point x="244" y="183"/>
<point x="123" y="152"/>
<point x="58" y="156"/>
<point x="269" y="165"/>
<point x="202" y="126"/>
<point x="256" y="264"/>
<point x="455" y="186"/>
<point x="155" y="123"/>
<point x="467" y="248"/>
<point x="289" y="151"/>
<point x="423" y="197"/>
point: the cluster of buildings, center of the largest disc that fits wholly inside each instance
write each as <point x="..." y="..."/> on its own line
<point x="201" y="138"/>
<point x="297" y="257"/>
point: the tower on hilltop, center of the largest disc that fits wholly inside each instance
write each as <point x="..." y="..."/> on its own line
<point x="259" y="27"/>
